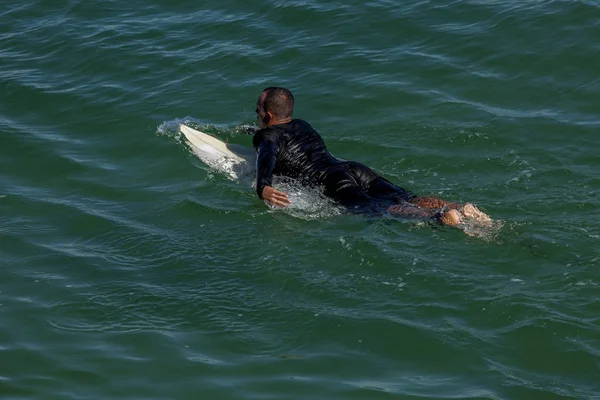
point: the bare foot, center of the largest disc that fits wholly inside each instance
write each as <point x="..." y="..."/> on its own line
<point x="472" y="212"/>
<point x="451" y="218"/>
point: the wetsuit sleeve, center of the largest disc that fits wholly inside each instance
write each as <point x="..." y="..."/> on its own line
<point x="267" y="147"/>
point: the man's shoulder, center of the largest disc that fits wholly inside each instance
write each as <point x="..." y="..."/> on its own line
<point x="270" y="133"/>
<point x="266" y="132"/>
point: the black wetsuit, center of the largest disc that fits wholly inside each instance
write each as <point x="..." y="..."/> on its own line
<point x="296" y="150"/>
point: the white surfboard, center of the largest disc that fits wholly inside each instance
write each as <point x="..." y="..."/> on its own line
<point x="232" y="159"/>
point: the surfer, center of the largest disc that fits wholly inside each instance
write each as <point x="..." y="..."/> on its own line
<point x="292" y="148"/>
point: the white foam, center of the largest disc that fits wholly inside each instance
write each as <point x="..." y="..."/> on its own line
<point x="306" y="202"/>
<point x="171" y="128"/>
<point x="486" y="230"/>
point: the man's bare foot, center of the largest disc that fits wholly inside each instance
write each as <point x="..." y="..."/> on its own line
<point x="450" y="217"/>
<point x="472" y="212"/>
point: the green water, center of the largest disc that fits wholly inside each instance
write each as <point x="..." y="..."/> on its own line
<point x="130" y="270"/>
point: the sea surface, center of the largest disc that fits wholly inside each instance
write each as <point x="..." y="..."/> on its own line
<point x="129" y="269"/>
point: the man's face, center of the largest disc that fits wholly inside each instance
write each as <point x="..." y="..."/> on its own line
<point x="260" y="111"/>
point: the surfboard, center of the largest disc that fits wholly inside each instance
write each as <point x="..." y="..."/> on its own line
<point x="232" y="159"/>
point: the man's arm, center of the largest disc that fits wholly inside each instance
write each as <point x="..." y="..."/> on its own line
<point x="267" y="150"/>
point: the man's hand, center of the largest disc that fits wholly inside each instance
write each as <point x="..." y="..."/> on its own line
<point x="275" y="197"/>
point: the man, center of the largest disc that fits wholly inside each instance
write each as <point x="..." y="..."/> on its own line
<point x="292" y="148"/>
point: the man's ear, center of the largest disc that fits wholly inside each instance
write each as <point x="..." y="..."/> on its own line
<point x="268" y="118"/>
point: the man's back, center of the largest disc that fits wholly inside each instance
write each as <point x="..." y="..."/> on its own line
<point x="293" y="149"/>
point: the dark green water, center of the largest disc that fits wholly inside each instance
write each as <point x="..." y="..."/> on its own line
<point x="129" y="270"/>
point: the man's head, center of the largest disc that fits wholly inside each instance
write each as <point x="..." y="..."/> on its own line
<point x="275" y="105"/>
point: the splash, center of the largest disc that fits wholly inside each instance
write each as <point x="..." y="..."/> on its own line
<point x="308" y="203"/>
<point x="171" y="128"/>
<point x="476" y="223"/>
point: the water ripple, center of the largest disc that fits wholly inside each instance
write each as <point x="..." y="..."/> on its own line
<point x="130" y="269"/>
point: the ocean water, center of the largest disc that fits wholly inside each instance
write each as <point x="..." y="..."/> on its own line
<point x="129" y="269"/>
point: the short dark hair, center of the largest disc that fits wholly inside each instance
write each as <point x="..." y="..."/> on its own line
<point x="279" y="101"/>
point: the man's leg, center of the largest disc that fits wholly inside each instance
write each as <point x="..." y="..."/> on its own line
<point x="412" y="207"/>
<point x="434" y="202"/>
<point x="357" y="187"/>
<point x="410" y="211"/>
